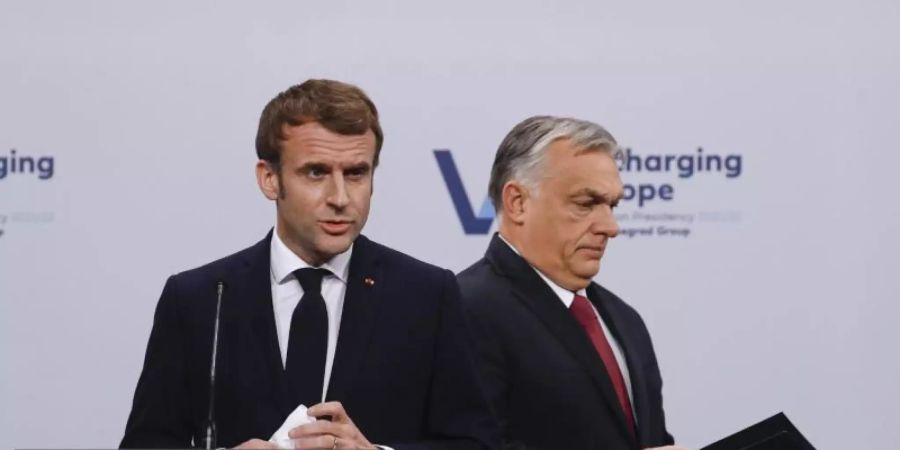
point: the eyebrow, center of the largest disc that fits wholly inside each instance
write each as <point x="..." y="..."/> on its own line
<point x="596" y="195"/>
<point x="361" y="166"/>
<point x="314" y="165"/>
<point x="325" y="167"/>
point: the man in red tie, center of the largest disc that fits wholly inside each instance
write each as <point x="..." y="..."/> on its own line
<point x="566" y="364"/>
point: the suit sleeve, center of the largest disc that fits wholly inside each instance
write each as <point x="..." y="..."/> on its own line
<point x="459" y="417"/>
<point x="160" y="414"/>
<point x="493" y="369"/>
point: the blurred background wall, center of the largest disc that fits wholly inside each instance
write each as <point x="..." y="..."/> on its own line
<point x="767" y="285"/>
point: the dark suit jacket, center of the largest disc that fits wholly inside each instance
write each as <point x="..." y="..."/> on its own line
<point x="402" y="368"/>
<point x="548" y="386"/>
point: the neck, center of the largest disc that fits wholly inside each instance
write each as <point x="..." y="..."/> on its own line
<point x="314" y="260"/>
<point x="510" y="234"/>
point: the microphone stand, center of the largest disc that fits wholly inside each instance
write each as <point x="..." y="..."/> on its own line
<point x="209" y="441"/>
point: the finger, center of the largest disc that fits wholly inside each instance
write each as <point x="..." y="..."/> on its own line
<point x="333" y="409"/>
<point x="320" y="427"/>
<point x="345" y="444"/>
<point x="322" y="441"/>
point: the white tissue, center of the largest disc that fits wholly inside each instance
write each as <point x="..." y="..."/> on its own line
<point x="296" y="418"/>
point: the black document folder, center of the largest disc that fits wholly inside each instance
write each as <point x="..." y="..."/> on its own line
<point x="774" y="433"/>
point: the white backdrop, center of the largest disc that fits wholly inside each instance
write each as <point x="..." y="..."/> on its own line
<point x="780" y="298"/>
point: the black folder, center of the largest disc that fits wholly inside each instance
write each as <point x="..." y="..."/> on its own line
<point x="774" y="433"/>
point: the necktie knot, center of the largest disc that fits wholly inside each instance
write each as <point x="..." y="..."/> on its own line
<point x="581" y="309"/>
<point x="311" y="278"/>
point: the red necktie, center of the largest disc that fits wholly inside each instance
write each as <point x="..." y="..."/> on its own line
<point x="584" y="314"/>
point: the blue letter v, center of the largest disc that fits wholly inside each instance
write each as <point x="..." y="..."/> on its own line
<point x="471" y="223"/>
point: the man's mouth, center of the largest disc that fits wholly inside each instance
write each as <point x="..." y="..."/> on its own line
<point x="597" y="251"/>
<point x="335" y="227"/>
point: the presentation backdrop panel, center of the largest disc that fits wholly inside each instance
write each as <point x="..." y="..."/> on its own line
<point x="758" y="238"/>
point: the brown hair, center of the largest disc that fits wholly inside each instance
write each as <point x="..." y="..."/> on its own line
<point x="339" y="107"/>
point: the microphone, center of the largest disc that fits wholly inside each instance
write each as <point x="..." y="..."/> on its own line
<point x="209" y="442"/>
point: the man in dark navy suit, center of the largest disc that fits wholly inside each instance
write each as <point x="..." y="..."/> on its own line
<point x="566" y="364"/>
<point x="371" y="340"/>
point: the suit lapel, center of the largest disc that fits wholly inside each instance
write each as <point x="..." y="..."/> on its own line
<point x="254" y="290"/>
<point x="357" y="318"/>
<point x="537" y="296"/>
<point x="613" y="318"/>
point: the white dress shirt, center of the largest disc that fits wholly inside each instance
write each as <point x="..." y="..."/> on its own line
<point x="286" y="294"/>
<point x="567" y="297"/>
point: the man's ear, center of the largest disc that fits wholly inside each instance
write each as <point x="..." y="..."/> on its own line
<point x="267" y="179"/>
<point x="515" y="197"/>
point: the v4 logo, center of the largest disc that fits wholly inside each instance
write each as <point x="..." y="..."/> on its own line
<point x="472" y="223"/>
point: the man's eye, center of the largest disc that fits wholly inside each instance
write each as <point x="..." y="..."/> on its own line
<point x="316" y="172"/>
<point x="355" y="174"/>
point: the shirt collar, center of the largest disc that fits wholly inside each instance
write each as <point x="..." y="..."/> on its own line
<point x="565" y="295"/>
<point x="284" y="261"/>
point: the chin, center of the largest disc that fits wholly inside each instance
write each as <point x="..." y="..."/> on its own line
<point x="336" y="244"/>
<point x="333" y="247"/>
<point x="588" y="270"/>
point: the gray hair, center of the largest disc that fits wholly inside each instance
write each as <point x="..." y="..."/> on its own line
<point x="521" y="154"/>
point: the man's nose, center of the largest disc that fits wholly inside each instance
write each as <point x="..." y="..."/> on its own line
<point x="605" y="222"/>
<point x="337" y="196"/>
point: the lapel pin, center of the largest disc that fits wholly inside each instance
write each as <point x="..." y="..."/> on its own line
<point x="369" y="281"/>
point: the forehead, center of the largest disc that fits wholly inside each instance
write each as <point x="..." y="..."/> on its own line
<point x="574" y="169"/>
<point x="314" y="141"/>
